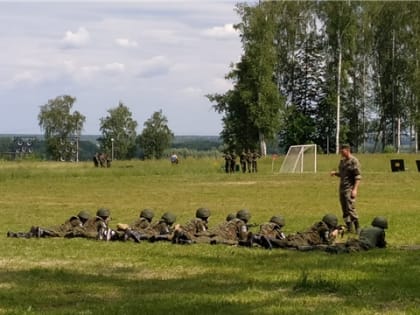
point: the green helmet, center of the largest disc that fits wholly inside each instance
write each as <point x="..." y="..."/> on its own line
<point x="169" y="218"/>
<point x="230" y="217"/>
<point x="380" y="222"/>
<point x="243" y="215"/>
<point x="83" y="215"/>
<point x="330" y="219"/>
<point x="147" y="214"/>
<point x="279" y="220"/>
<point x="102" y="212"/>
<point x="202" y="213"/>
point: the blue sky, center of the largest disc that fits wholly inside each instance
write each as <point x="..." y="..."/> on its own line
<point x="150" y="55"/>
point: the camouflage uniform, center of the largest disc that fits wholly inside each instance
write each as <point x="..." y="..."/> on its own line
<point x="268" y="231"/>
<point x="95" y="227"/>
<point x="62" y="230"/>
<point x="233" y="162"/>
<point x="349" y="172"/>
<point x="318" y="235"/>
<point x="230" y="232"/>
<point x="255" y="157"/>
<point x="161" y="230"/>
<point x="137" y="228"/>
<point x="242" y="161"/>
<point x="191" y="232"/>
<point x="228" y="159"/>
<point x="249" y="160"/>
<point x="369" y="238"/>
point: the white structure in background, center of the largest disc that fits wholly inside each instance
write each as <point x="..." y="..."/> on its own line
<point x="299" y="159"/>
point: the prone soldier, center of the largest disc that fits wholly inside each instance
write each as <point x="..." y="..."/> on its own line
<point x="188" y="233"/>
<point x="62" y="230"/>
<point x="318" y="236"/>
<point x="369" y="238"/>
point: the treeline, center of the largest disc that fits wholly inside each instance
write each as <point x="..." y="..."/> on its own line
<point x="325" y="72"/>
<point x="16" y="147"/>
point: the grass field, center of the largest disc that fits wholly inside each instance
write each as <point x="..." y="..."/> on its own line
<point x="78" y="276"/>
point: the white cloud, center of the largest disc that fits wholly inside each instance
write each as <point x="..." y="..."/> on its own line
<point x="77" y="39"/>
<point x="192" y="91"/>
<point x="156" y="66"/>
<point x="114" y="68"/>
<point x="221" y="32"/>
<point x="125" y="42"/>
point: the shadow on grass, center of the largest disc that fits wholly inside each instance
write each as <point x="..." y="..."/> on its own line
<point x="244" y="283"/>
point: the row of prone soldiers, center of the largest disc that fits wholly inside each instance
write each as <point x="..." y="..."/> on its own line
<point x="234" y="231"/>
<point x="247" y="160"/>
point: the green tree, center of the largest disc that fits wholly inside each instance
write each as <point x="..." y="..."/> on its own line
<point x="156" y="136"/>
<point x="252" y="108"/>
<point x="340" y="26"/>
<point x="118" y="133"/>
<point x="61" y="128"/>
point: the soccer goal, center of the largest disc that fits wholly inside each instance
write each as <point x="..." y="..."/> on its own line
<point x="299" y="159"/>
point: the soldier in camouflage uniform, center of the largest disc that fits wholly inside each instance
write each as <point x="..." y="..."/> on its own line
<point x="233" y="162"/>
<point x="249" y="160"/>
<point x="269" y="232"/>
<point x="137" y="228"/>
<point x="230" y="232"/>
<point x="230" y="217"/>
<point x="55" y="231"/>
<point x="350" y="175"/>
<point x="369" y="238"/>
<point x="319" y="235"/>
<point x="161" y="230"/>
<point x="255" y="157"/>
<point x="192" y="230"/>
<point x="242" y="161"/>
<point x="228" y="159"/>
<point x="96" y="227"/>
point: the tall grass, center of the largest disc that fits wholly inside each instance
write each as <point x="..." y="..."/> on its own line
<point x="77" y="276"/>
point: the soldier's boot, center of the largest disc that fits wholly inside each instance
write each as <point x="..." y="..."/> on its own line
<point x="349" y="227"/>
<point x="356" y="226"/>
<point x="262" y="241"/>
<point x="36" y="231"/>
<point x="135" y="236"/>
<point x="265" y="242"/>
<point x="12" y="234"/>
<point x="104" y="234"/>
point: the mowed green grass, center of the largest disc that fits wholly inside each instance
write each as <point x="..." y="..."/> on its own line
<point x="78" y="276"/>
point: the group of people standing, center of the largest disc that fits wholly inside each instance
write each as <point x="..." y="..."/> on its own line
<point x="247" y="161"/>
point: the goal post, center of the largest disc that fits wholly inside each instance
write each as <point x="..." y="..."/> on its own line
<point x="300" y="159"/>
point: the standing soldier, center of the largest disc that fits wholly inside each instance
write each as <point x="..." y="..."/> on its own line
<point x="255" y="156"/>
<point x="249" y="160"/>
<point x="242" y="161"/>
<point x="233" y="162"/>
<point x="228" y="158"/>
<point x="350" y="175"/>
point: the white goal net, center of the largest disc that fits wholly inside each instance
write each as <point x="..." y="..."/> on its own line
<point x="299" y="159"/>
